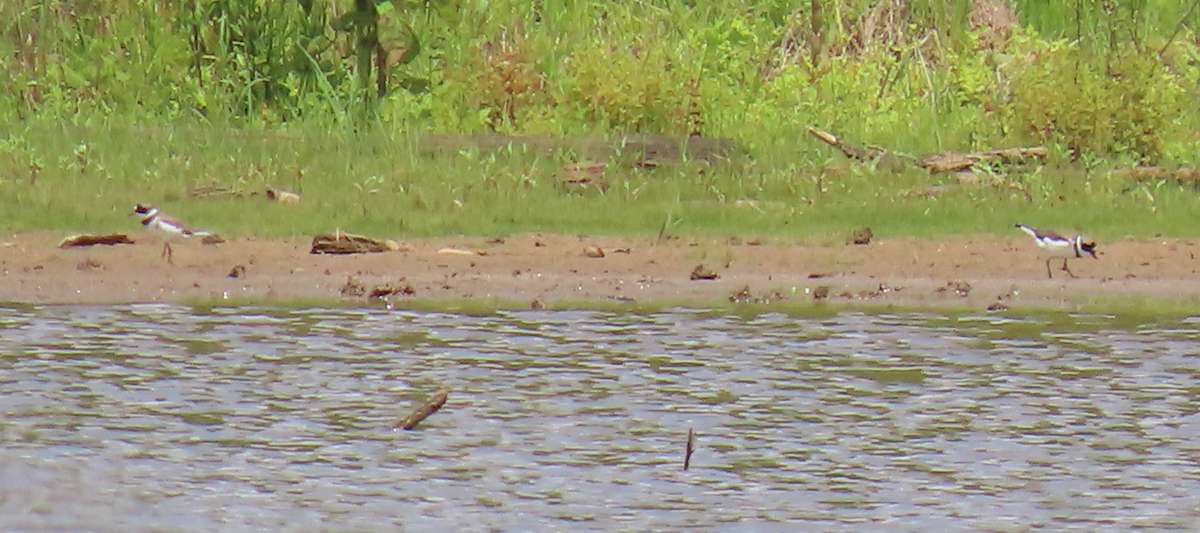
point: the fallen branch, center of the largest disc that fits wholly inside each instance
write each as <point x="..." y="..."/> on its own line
<point x="935" y="163"/>
<point x="872" y="154"/>
<point x="430" y="406"/>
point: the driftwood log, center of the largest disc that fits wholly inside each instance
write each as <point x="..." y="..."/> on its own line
<point x="345" y="243"/>
<point x="944" y="162"/>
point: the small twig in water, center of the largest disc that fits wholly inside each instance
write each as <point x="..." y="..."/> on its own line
<point x="691" y="447"/>
<point x="430" y="406"/>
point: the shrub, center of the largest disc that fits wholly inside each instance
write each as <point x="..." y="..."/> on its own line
<point x="1122" y="105"/>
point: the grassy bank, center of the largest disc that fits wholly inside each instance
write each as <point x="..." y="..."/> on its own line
<point x="389" y="185"/>
<point x="107" y="104"/>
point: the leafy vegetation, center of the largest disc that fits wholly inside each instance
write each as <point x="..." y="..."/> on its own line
<point x="110" y="103"/>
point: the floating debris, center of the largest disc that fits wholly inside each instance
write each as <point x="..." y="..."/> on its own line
<point x="77" y="241"/>
<point x="430" y="406"/>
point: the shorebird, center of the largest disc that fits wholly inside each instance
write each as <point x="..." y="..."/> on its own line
<point x="166" y="228"/>
<point x="1058" y="247"/>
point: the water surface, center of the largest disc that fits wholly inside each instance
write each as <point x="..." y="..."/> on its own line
<point x="172" y="418"/>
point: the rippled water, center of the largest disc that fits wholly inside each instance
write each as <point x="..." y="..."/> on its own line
<point x="169" y="418"/>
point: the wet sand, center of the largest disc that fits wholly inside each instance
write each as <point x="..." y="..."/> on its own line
<point x="556" y="271"/>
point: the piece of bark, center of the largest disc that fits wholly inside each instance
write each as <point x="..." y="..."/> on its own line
<point x="430" y="406"/>
<point x="702" y="273"/>
<point x="77" y="241"/>
<point x="211" y="239"/>
<point x="345" y="243"/>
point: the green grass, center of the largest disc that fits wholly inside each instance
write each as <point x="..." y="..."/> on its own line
<point x="384" y="185"/>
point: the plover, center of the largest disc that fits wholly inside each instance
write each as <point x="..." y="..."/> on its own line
<point x="1058" y="247"/>
<point x="166" y="228"/>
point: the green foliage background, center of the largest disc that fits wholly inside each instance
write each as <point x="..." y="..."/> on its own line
<point x="1094" y="77"/>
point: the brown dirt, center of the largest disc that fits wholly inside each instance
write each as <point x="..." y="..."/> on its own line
<point x="555" y="270"/>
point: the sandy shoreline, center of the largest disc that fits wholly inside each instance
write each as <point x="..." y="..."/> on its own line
<point x="554" y="270"/>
